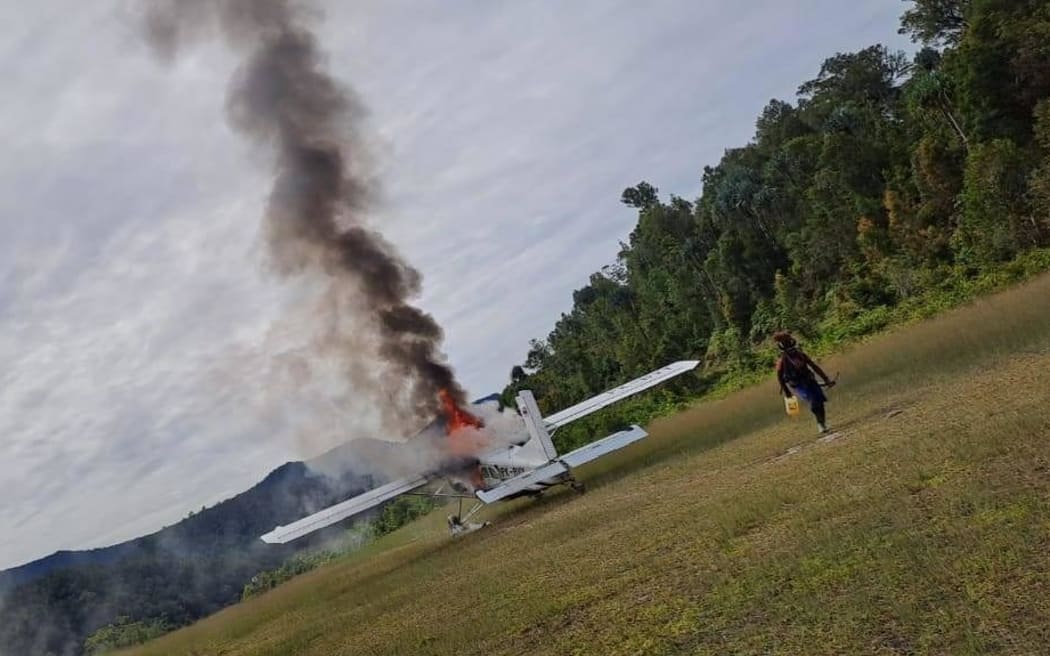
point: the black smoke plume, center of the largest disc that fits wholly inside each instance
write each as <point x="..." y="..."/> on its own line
<point x="283" y="98"/>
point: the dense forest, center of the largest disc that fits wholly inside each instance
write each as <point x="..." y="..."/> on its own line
<point x="891" y="187"/>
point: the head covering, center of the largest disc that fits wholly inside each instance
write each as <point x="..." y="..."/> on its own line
<point x="784" y="340"/>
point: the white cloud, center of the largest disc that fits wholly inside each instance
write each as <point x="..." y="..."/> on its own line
<point x="138" y="327"/>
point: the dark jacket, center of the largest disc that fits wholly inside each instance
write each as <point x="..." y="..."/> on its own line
<point x="796" y="368"/>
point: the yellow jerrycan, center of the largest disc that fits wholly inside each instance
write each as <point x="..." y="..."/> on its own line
<point x="791" y="405"/>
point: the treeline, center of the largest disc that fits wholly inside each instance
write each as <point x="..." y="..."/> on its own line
<point x="124" y="633"/>
<point x="890" y="185"/>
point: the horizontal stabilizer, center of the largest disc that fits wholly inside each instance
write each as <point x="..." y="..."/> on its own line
<point x="550" y="473"/>
<point x="596" y="403"/>
<point x="341" y="511"/>
<point x="604" y="446"/>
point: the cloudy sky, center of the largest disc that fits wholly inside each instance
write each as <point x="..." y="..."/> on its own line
<point x="141" y="334"/>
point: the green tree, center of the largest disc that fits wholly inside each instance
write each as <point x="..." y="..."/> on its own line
<point x="868" y="77"/>
<point x="641" y="195"/>
<point x="935" y="22"/>
<point x="1039" y="182"/>
<point x="929" y="92"/>
<point x="124" y="633"/>
<point x="994" y="204"/>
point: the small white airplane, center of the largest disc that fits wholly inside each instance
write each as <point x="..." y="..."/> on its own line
<point x="525" y="463"/>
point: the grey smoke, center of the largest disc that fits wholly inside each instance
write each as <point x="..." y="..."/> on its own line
<point x="284" y="99"/>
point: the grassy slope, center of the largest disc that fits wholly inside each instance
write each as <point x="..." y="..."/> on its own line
<point x="733" y="530"/>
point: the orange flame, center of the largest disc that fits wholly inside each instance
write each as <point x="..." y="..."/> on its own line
<point x="457" y="417"/>
<point x="462" y="442"/>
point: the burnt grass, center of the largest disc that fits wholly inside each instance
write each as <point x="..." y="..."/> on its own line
<point x="923" y="527"/>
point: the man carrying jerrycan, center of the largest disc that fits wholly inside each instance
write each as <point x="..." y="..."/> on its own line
<point x="798" y="372"/>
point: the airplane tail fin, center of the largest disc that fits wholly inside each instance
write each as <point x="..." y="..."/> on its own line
<point x="539" y="437"/>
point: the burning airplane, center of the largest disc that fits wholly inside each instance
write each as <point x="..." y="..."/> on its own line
<point x="487" y="468"/>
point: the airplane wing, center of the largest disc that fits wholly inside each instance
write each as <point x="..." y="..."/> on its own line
<point x="341" y="511"/>
<point x="596" y="403"/>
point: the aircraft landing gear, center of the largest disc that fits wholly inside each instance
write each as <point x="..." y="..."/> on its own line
<point x="578" y="486"/>
<point x="459" y="524"/>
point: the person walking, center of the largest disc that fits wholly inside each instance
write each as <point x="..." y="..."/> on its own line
<point x="797" y="374"/>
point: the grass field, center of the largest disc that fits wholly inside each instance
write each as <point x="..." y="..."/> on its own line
<point x="922" y="528"/>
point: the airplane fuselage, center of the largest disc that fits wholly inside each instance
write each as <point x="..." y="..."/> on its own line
<point x="494" y="466"/>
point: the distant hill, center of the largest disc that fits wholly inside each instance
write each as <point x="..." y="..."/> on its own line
<point x="181" y="572"/>
<point x="287" y="492"/>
